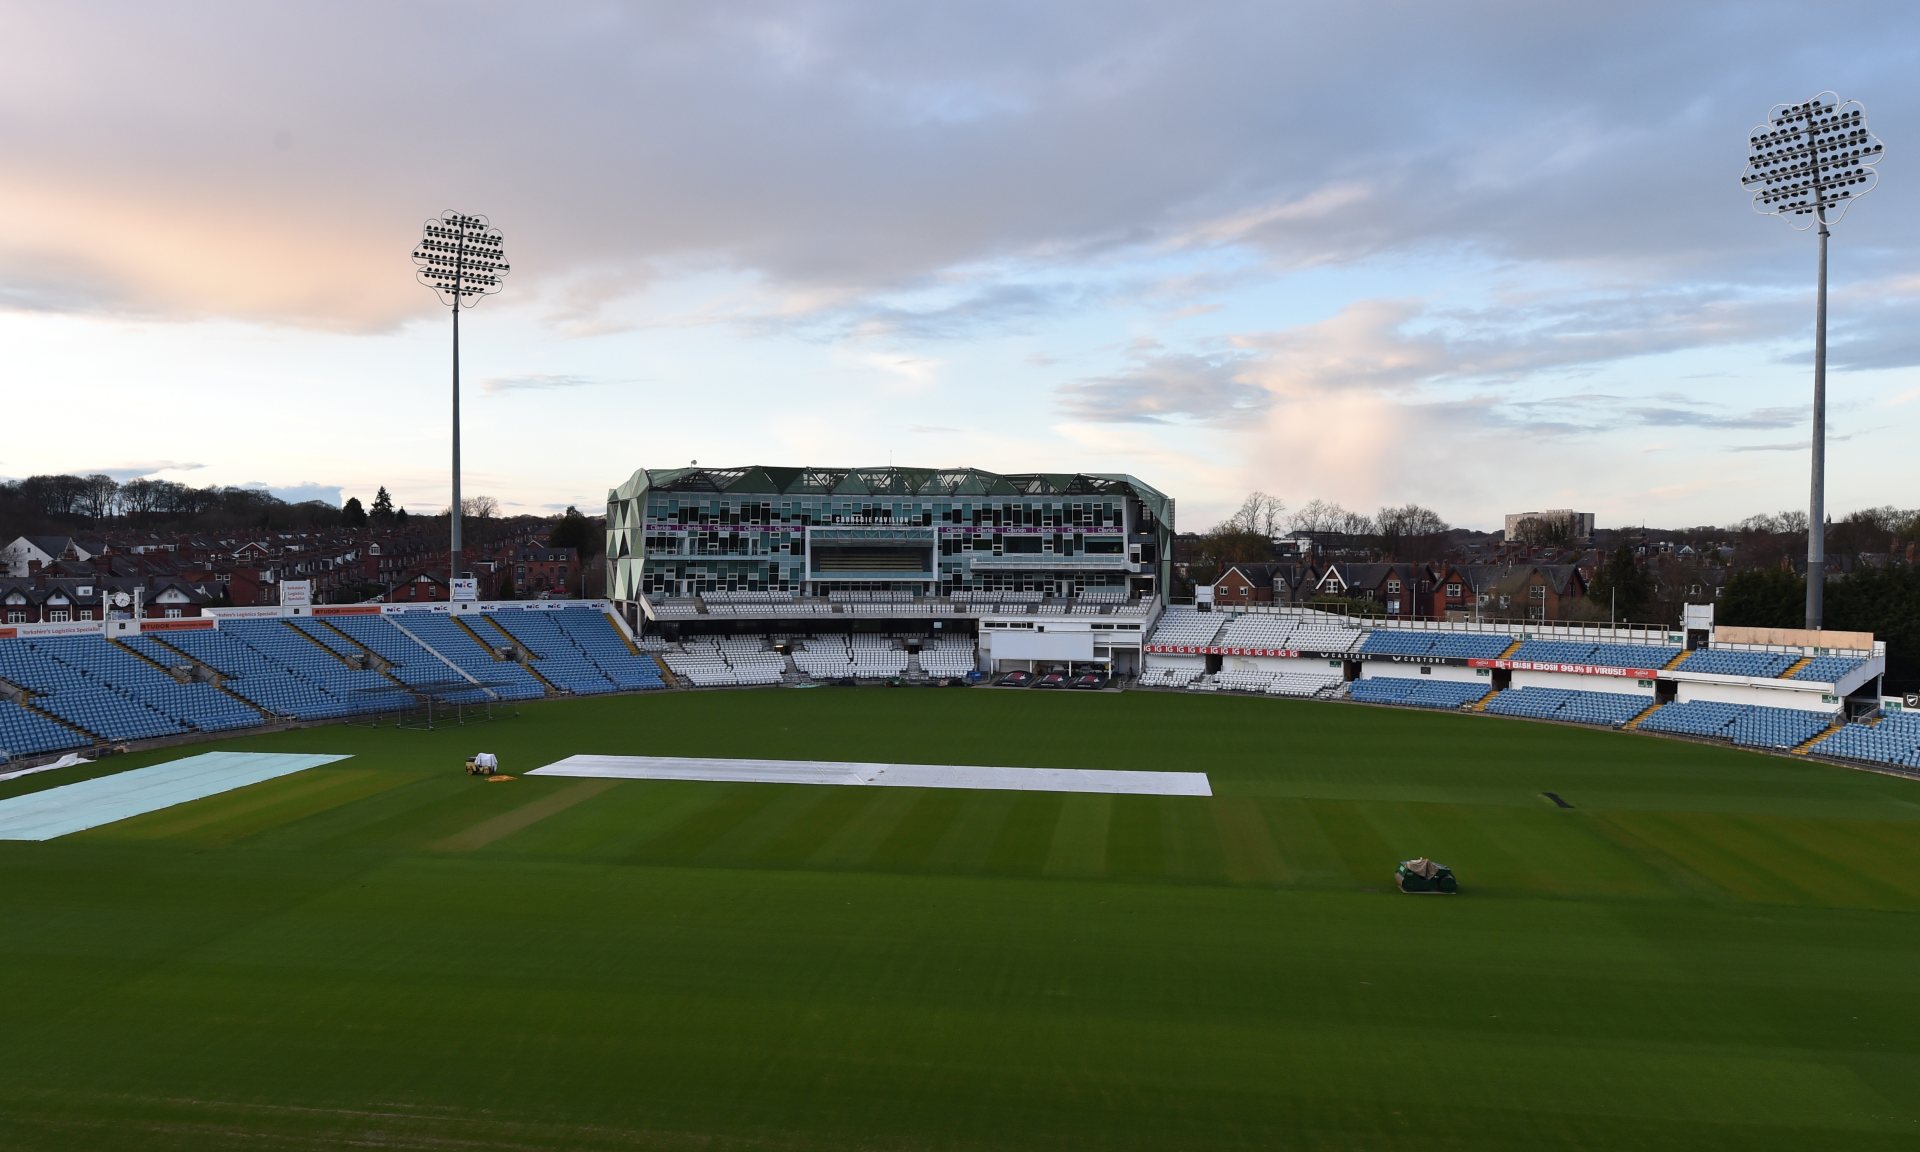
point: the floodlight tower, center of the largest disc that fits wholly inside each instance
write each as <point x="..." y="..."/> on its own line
<point x="460" y="257"/>
<point x="1806" y="164"/>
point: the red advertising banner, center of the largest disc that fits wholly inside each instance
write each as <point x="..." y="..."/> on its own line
<point x="347" y="610"/>
<point x="180" y="624"/>
<point x="1570" y="669"/>
<point x="8" y="633"/>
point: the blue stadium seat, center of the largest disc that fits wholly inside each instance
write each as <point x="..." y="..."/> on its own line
<point x="1608" y="709"/>
<point x="580" y="650"/>
<point x="1721" y="662"/>
<point x="1416" y="692"/>
<point x="25" y="733"/>
<point x="1604" y="655"/>
<point x="284" y="672"/>
<point x="447" y="636"/>
<point x="1828" y="669"/>
<point x="1895" y="740"/>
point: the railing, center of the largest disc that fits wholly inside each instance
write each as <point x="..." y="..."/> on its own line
<point x="1049" y="560"/>
<point x="1595" y="632"/>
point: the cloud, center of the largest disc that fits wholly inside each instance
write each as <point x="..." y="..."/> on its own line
<point x="126" y="472"/>
<point x="867" y="149"/>
<point x="1785" y="445"/>
<point x="302" y="492"/>
<point x="497" y="385"/>
<point x="1162" y="386"/>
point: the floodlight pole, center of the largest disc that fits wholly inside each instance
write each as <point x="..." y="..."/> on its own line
<point x="453" y="554"/>
<point x="460" y="258"/>
<point x="1817" y="511"/>
<point x="1809" y="162"/>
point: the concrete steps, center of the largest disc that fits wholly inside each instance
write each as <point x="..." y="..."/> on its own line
<point x="1804" y="746"/>
<point x="1641" y="718"/>
<point x="1480" y="705"/>
<point x="1678" y="660"/>
<point x="1794" y="667"/>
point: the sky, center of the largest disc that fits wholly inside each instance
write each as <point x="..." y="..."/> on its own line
<point x="1486" y="257"/>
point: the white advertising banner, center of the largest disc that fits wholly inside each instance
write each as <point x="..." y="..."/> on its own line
<point x="466" y="588"/>
<point x="296" y="593"/>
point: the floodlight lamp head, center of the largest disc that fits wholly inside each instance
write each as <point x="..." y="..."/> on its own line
<point x="460" y="257"/>
<point x="1811" y="160"/>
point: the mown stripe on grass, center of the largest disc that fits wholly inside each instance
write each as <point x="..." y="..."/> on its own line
<point x="1136" y="840"/>
<point x="1025" y="840"/>
<point x="518" y="819"/>
<point x="1248" y="855"/>
<point x="911" y="843"/>
<point x="228" y="817"/>
<point x="1079" y="843"/>
<point x="723" y="808"/>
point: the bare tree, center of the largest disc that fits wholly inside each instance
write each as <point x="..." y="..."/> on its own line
<point x="1353" y="523"/>
<point x="1317" y="515"/>
<point x="99" y="496"/>
<point x="479" y="507"/>
<point x="1409" y="525"/>
<point x="1258" y="514"/>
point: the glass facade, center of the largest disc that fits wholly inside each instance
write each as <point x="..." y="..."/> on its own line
<point x="813" y="531"/>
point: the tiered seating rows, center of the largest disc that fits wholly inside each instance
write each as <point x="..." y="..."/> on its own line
<point x="24" y="733"/>
<point x="1416" y="692"/>
<point x="1752" y="725"/>
<point x="112" y="693"/>
<point x="1894" y="740"/>
<point x="1610" y="709"/>
<point x="1720" y="662"/>
<point x="1607" y="655"/>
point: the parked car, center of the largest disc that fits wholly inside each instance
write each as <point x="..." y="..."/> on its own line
<point x="1015" y="679"/>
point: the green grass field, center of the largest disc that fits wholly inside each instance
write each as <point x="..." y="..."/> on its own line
<point x="1711" y="949"/>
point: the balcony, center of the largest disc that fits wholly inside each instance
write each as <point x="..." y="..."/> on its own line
<point x="1047" y="561"/>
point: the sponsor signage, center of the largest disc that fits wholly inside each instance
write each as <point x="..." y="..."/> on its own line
<point x="8" y="633"/>
<point x="1273" y="653"/>
<point x="1569" y="669"/>
<point x="347" y="610"/>
<point x="181" y="624"/>
<point x="465" y="588"/>
<point x="70" y="628"/>
<point x="296" y="593"/>
<point x="244" y="613"/>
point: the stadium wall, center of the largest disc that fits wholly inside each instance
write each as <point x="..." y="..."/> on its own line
<point x="1731" y="691"/>
<point x="1621" y="685"/>
<point x="1377" y="669"/>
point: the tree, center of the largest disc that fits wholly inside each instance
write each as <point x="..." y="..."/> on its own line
<point x="506" y="591"/>
<point x="1763" y="598"/>
<point x="1317" y="515"/>
<point x="99" y="497"/>
<point x="577" y="532"/>
<point x="1258" y="513"/>
<point x="382" y="510"/>
<point x="1417" y="528"/>
<point x="1544" y="531"/>
<point x="400" y="517"/>
<point x="479" y="507"/>
<point x="1620" y="587"/>
<point x="352" y="515"/>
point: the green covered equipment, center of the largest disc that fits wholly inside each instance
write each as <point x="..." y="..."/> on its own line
<point x="1423" y="875"/>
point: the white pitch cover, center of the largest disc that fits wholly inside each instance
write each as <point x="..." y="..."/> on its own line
<point x="882" y="775"/>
